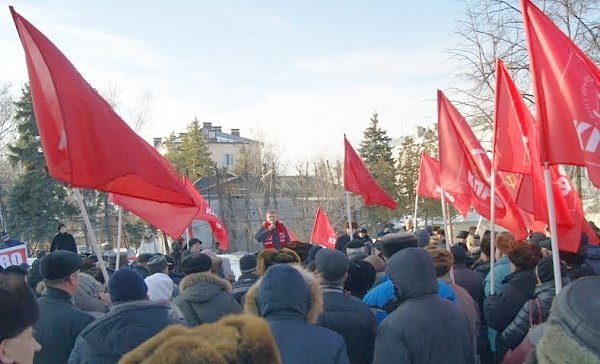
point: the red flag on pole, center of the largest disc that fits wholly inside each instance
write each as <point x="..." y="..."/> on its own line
<point x="566" y="85"/>
<point x="428" y="185"/>
<point x="466" y="169"/>
<point x="174" y="219"/>
<point x="322" y="232"/>
<point x="357" y="179"/>
<point x="85" y="143"/>
<point x="514" y="129"/>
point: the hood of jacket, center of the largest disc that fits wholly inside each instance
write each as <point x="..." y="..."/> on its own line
<point x="125" y="326"/>
<point x="413" y="273"/>
<point x="286" y="291"/>
<point x="202" y="287"/>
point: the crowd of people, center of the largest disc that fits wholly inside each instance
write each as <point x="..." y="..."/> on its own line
<point x="400" y="298"/>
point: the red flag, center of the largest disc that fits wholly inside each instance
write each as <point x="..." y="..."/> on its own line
<point x="566" y="85"/>
<point x="85" y="143"/>
<point x="322" y="232"/>
<point x="512" y="123"/>
<point x="466" y="169"/>
<point x="428" y="185"/>
<point x="174" y="219"/>
<point x="357" y="179"/>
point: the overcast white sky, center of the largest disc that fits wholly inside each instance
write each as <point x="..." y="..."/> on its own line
<point x="298" y="73"/>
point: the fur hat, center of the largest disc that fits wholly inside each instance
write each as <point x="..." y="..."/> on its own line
<point x="316" y="295"/>
<point x="393" y="243"/>
<point x="442" y="259"/>
<point x="376" y="262"/>
<point x="231" y="340"/>
<point x="361" y="277"/>
<point x="269" y="257"/>
<point x="572" y="329"/>
<point x="300" y="248"/>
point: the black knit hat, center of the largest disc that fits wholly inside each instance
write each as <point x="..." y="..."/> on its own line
<point x="393" y="243"/>
<point x="248" y="263"/>
<point x="18" y="308"/>
<point x="545" y="269"/>
<point x="59" y="264"/>
<point x="196" y="263"/>
<point x="126" y="285"/>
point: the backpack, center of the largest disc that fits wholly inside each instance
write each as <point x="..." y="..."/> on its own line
<point x="520" y="353"/>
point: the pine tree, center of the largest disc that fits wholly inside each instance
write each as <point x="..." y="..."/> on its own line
<point x="408" y="172"/>
<point x="376" y="152"/>
<point x="190" y="156"/>
<point x="37" y="202"/>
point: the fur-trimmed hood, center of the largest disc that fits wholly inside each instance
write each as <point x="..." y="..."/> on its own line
<point x="233" y="339"/>
<point x="286" y="290"/>
<point x="202" y="287"/>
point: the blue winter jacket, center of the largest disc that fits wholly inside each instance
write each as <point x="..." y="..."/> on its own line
<point x="380" y="295"/>
<point x="501" y="271"/>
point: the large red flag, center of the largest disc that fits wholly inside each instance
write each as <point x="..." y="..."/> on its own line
<point x="357" y="179"/>
<point x="428" y="185"/>
<point x="85" y="143"/>
<point x="566" y="85"/>
<point x="322" y="232"/>
<point x="174" y="219"/>
<point x="466" y="169"/>
<point x="513" y="123"/>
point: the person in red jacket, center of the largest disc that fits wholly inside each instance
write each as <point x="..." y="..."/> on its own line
<point x="272" y="233"/>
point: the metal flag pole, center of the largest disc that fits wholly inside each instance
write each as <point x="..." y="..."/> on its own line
<point x="349" y="213"/>
<point x="445" y="216"/>
<point x="553" y="232"/>
<point x="88" y="225"/>
<point x="416" y="210"/>
<point x="119" y="233"/>
<point x="492" y="232"/>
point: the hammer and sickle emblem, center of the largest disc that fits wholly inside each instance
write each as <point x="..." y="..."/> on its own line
<point x="509" y="180"/>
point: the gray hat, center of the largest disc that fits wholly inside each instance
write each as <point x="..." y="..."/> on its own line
<point x="59" y="264"/>
<point x="331" y="264"/>
<point x="157" y="264"/>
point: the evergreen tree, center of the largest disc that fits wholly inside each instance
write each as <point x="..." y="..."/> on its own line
<point x="408" y="173"/>
<point x="429" y="208"/>
<point x="376" y="152"/>
<point x="37" y="202"/>
<point x="191" y="156"/>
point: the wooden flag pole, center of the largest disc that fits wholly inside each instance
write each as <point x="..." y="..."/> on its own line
<point x="119" y="233"/>
<point x="88" y="225"/>
<point x="553" y="232"/>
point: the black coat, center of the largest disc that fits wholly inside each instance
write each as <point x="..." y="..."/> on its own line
<point x="242" y="286"/>
<point x="121" y="330"/>
<point x="58" y="326"/>
<point x="351" y="318"/>
<point x="471" y="281"/>
<point x="424" y="328"/>
<point x="516" y="331"/>
<point x="205" y="298"/>
<point x="501" y="309"/>
<point x="342" y="240"/>
<point x="63" y="242"/>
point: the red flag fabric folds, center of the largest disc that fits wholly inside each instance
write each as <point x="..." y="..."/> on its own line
<point x="357" y="179"/>
<point x="466" y="169"/>
<point x="513" y="123"/>
<point x="322" y="232"/>
<point x="566" y="85"/>
<point x="174" y="219"/>
<point x="85" y="143"/>
<point x="428" y="185"/>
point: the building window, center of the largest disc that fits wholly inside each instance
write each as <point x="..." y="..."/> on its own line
<point x="228" y="160"/>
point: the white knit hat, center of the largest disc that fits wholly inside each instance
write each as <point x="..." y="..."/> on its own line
<point x="160" y="287"/>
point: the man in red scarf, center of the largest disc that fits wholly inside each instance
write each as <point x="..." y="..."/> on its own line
<point x="272" y="233"/>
